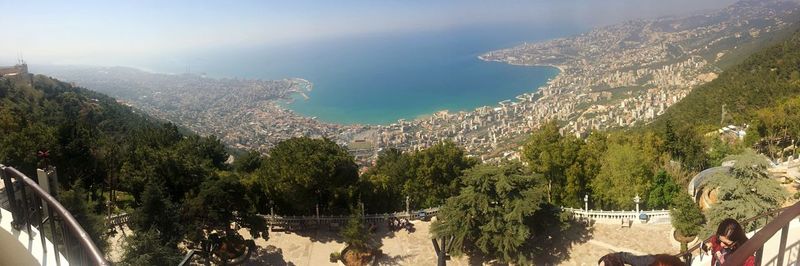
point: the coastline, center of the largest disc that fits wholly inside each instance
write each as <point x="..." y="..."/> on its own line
<point x="560" y="68"/>
<point x="427" y="115"/>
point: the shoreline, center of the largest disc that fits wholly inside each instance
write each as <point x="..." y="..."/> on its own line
<point x="427" y="115"/>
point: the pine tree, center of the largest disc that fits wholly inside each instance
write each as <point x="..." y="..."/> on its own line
<point x="493" y="215"/>
<point x="355" y="233"/>
<point x="687" y="219"/>
<point x="157" y="212"/>
<point x="744" y="191"/>
<point x="147" y="248"/>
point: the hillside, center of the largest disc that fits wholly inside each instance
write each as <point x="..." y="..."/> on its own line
<point x="764" y="79"/>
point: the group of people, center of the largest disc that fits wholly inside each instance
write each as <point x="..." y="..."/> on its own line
<point x="399" y="223"/>
<point x="729" y="236"/>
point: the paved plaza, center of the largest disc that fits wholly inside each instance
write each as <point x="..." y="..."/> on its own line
<point x="415" y="248"/>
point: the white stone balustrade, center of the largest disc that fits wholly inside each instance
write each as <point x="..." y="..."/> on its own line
<point x="616" y="217"/>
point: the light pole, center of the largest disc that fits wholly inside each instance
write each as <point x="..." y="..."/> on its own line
<point x="586" y="202"/>
<point x="271" y="213"/>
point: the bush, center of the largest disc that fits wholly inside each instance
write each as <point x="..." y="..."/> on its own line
<point x="335" y="256"/>
<point x="686" y="216"/>
<point x="355" y="233"/>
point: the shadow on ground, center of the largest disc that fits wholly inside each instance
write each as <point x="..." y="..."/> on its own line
<point x="268" y="256"/>
<point x="326" y="233"/>
<point x="386" y="260"/>
<point x="322" y="235"/>
<point x="554" y="247"/>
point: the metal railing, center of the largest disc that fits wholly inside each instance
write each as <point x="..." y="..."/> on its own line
<point x="687" y="255"/>
<point x="117" y="219"/>
<point x="35" y="207"/>
<point x="756" y="243"/>
<point x="301" y="222"/>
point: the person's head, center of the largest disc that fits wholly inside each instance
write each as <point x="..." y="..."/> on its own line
<point x="730" y="233"/>
<point x="610" y="259"/>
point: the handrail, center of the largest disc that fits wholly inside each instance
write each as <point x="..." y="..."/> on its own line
<point x="73" y="226"/>
<point x="757" y="241"/>
<point x="744" y="223"/>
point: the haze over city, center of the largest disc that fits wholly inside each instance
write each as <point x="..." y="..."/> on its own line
<point x="124" y="32"/>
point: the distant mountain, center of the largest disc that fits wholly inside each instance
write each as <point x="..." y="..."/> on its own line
<point x="761" y="80"/>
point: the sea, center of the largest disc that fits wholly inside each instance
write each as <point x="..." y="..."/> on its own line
<point x="380" y="78"/>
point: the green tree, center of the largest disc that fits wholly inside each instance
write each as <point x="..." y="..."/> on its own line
<point x="744" y="191"/>
<point x="687" y="219"/>
<point x="623" y="175"/>
<point x="355" y="233"/>
<point x="146" y="247"/>
<point x="435" y="174"/>
<point x="688" y="147"/>
<point x="219" y="203"/>
<point x="494" y="213"/>
<point x="663" y="192"/>
<point x="77" y="202"/>
<point x="159" y="213"/>
<point x="777" y="126"/>
<point x="248" y="162"/>
<point x="382" y="185"/>
<point x="719" y="150"/>
<point x="549" y="153"/>
<point x="302" y="172"/>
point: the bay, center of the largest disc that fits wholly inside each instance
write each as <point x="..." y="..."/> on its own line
<point x="380" y="78"/>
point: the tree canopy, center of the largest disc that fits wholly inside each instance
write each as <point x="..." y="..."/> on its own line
<point x="685" y="215"/>
<point x="744" y="191"/>
<point x="555" y="157"/>
<point x="492" y="215"/>
<point x="427" y="177"/>
<point x="300" y="173"/>
<point x="623" y="175"/>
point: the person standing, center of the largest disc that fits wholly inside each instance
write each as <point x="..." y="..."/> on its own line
<point x="729" y="236"/>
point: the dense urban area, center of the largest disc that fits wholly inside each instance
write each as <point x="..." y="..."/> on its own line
<point x="615" y="76"/>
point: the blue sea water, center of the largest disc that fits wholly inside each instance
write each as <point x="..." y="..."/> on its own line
<point x="380" y="78"/>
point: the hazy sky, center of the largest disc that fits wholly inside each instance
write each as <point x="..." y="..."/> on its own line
<point x="102" y="31"/>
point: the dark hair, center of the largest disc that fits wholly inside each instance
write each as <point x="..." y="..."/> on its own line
<point x="611" y="259"/>
<point x="732" y="230"/>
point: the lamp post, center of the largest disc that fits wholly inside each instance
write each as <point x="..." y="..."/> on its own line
<point x="586" y="202"/>
<point x="271" y="214"/>
<point x="636" y="200"/>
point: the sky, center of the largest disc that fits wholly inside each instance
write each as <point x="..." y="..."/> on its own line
<point x="111" y="32"/>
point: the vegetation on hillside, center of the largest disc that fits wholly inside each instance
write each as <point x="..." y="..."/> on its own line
<point x="97" y="145"/>
<point x="763" y="79"/>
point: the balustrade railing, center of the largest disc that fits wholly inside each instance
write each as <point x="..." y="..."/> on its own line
<point x="30" y="205"/>
<point x="616" y="216"/>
